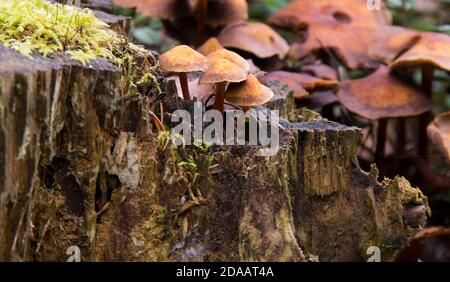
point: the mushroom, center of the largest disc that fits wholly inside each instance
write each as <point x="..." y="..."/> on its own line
<point x="183" y="59"/>
<point x="256" y="38"/>
<point x="210" y="46"/>
<point x="300" y="83"/>
<point x="439" y="134"/>
<point x="221" y="72"/>
<point x="381" y="96"/>
<point x="249" y="93"/>
<point x="428" y="53"/>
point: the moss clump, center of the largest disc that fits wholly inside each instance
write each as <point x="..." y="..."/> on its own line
<point x="39" y="26"/>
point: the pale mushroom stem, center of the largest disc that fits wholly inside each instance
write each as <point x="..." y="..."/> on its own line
<point x="201" y="20"/>
<point x="220" y="97"/>
<point x="184" y="85"/>
<point x="427" y="87"/>
<point x="381" y="141"/>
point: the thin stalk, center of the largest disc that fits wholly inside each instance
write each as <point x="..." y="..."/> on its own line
<point x="424" y="120"/>
<point x="220" y="97"/>
<point x="381" y="142"/>
<point x="401" y="136"/>
<point x="184" y="85"/>
<point x="201" y="20"/>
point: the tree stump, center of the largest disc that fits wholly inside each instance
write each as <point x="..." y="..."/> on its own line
<point x="83" y="168"/>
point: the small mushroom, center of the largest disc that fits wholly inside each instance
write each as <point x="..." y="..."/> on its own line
<point x="381" y="96"/>
<point x="220" y="73"/>
<point x="439" y="134"/>
<point x="183" y="59"/>
<point x="210" y="46"/>
<point x="249" y="93"/>
<point x="430" y="52"/>
<point x="256" y="38"/>
<point x="300" y="82"/>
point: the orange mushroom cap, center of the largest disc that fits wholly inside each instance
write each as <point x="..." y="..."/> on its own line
<point x="210" y="46"/>
<point x="382" y="95"/>
<point x="183" y="58"/>
<point x="249" y="93"/>
<point x="256" y="38"/>
<point x="229" y="56"/>
<point x="299" y="82"/>
<point x="439" y="133"/>
<point x="223" y="70"/>
<point x="431" y="50"/>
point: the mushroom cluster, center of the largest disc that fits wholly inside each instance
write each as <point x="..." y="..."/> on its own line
<point x="227" y="70"/>
<point x="345" y="60"/>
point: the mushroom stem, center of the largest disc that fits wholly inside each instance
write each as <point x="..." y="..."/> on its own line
<point x="201" y="20"/>
<point x="381" y="141"/>
<point x="401" y="136"/>
<point x="220" y="97"/>
<point x="427" y="87"/>
<point x="184" y="85"/>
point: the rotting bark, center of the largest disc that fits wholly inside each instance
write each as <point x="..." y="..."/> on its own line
<point x="80" y="166"/>
<point x="339" y="210"/>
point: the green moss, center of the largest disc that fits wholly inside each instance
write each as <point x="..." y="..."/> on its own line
<point x="37" y="26"/>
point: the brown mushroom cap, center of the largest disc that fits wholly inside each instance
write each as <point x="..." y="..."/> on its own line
<point x="249" y="93"/>
<point x="298" y="82"/>
<point x="223" y="70"/>
<point x="183" y="58"/>
<point x="431" y="50"/>
<point x="391" y="41"/>
<point x="256" y="38"/>
<point x="349" y="43"/>
<point x="439" y="133"/>
<point x="164" y="9"/>
<point x="301" y="14"/>
<point x="229" y="56"/>
<point x="210" y="46"/>
<point x="223" y="12"/>
<point x="381" y="95"/>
